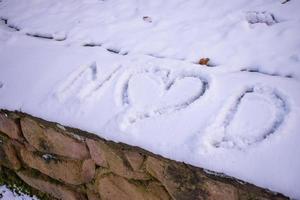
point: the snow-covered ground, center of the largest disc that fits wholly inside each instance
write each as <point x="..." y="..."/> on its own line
<point x="7" y="194"/>
<point x="127" y="70"/>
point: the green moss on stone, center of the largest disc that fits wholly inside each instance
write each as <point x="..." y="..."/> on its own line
<point x="9" y="178"/>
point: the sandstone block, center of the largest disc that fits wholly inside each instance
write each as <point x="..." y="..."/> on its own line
<point x="74" y="172"/>
<point x="105" y="156"/>
<point x="49" y="140"/>
<point x="92" y="195"/>
<point x="179" y="181"/>
<point x="8" y="154"/>
<point x="11" y="156"/>
<point x="156" y="168"/>
<point x="135" y="159"/>
<point x="218" y="190"/>
<point x="56" y="190"/>
<point x="10" y="127"/>
<point x="97" y="152"/>
<point x="113" y="187"/>
<point x="158" y="191"/>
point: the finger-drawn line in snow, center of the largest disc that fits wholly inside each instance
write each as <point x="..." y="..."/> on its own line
<point x="285" y="1"/>
<point x="83" y="83"/>
<point x="112" y="50"/>
<point x="99" y="85"/>
<point x="115" y="51"/>
<point x="254" y="17"/>
<point x="173" y="58"/>
<point x="92" y="44"/>
<point x="168" y="83"/>
<point x="13" y="27"/>
<point x="256" y="70"/>
<point x="118" y="51"/>
<point x="230" y="131"/>
<point x="55" y="36"/>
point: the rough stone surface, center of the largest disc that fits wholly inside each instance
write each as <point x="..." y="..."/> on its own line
<point x="218" y="190"/>
<point x="135" y="159"/>
<point x="179" y="181"/>
<point x="155" y="167"/>
<point x="91" y="195"/>
<point x="96" y="153"/>
<point x="52" y="141"/>
<point x="8" y="155"/>
<point x="10" y="127"/>
<point x="74" y="172"/>
<point x="56" y="190"/>
<point x="114" y="187"/>
<point x="11" y="156"/>
<point x="113" y="160"/>
<point x="158" y="191"/>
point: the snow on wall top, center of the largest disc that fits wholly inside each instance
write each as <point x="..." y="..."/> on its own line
<point x="126" y="71"/>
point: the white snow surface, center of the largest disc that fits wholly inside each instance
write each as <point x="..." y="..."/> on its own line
<point x="140" y="82"/>
<point x="8" y="194"/>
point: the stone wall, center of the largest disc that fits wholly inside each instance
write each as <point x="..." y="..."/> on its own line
<point x="67" y="163"/>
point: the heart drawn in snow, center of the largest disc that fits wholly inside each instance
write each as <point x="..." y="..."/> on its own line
<point x="146" y="91"/>
<point x="151" y="93"/>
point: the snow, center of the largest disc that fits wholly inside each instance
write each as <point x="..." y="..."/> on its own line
<point x="7" y="194"/>
<point x="127" y="70"/>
